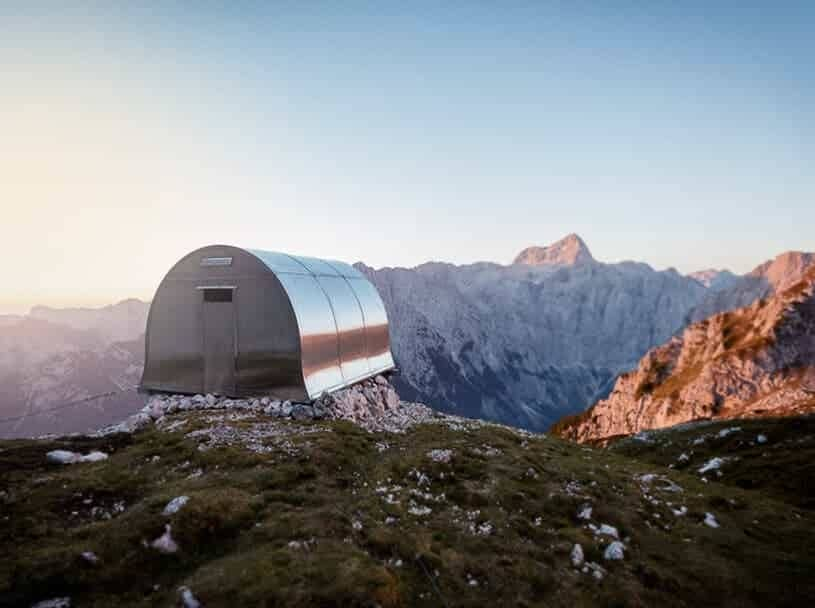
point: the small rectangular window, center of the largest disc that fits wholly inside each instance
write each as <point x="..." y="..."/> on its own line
<point x="217" y="295"/>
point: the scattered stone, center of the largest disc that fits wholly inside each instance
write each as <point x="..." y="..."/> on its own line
<point x="57" y="602"/>
<point x="67" y="457"/>
<point x="597" y="571"/>
<point x="577" y="556"/>
<point x="615" y="551"/>
<point x="165" y="542"/>
<point x="713" y="464"/>
<point x="710" y="520"/>
<point x="419" y="510"/>
<point x="443" y="456"/>
<point x="484" y="529"/>
<point x="606" y="530"/>
<point x="188" y="600"/>
<point x="174" y="505"/>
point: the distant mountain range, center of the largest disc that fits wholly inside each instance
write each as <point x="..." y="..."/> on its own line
<point x="523" y="344"/>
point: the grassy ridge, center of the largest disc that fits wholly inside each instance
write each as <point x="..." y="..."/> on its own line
<point x="338" y="516"/>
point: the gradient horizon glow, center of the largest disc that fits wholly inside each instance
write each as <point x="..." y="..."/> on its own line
<point x="679" y="134"/>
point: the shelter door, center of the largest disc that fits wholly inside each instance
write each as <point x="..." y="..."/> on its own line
<point x="219" y="342"/>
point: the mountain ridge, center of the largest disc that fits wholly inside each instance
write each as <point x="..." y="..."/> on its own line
<point x="758" y="360"/>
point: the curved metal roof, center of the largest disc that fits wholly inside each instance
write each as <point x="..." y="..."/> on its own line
<point x="341" y="318"/>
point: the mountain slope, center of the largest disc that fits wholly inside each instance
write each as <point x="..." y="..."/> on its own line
<point x="754" y="361"/>
<point x="288" y="513"/>
<point x="43" y="365"/>
<point x="767" y="279"/>
<point x="119" y="322"/>
<point x="527" y="343"/>
<point x="715" y="280"/>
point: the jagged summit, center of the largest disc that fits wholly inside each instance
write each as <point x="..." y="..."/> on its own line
<point x="568" y="251"/>
<point x="785" y="269"/>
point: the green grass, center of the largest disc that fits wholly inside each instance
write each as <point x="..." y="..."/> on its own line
<point x="246" y="508"/>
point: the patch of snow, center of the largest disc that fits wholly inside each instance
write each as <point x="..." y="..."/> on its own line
<point x="683" y="457"/>
<point x="175" y="505"/>
<point x="761" y="439"/>
<point x="90" y="557"/>
<point x="680" y="511"/>
<point x="710" y="520"/>
<point x="585" y="512"/>
<point x="725" y="432"/>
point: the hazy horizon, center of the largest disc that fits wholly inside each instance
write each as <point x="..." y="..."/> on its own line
<point x="680" y="136"/>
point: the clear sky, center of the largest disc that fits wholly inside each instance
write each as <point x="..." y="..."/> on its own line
<point x="676" y="133"/>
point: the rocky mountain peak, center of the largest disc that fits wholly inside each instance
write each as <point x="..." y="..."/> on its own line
<point x="784" y="270"/>
<point x="568" y="251"/>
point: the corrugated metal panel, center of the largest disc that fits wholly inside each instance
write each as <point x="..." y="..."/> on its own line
<point x="342" y="321"/>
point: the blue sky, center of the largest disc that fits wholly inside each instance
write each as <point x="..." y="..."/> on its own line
<point x="679" y="134"/>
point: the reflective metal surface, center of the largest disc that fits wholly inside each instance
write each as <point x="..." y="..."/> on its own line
<point x="360" y="344"/>
<point x="302" y="326"/>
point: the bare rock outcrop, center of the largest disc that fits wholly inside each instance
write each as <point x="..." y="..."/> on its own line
<point x="755" y="361"/>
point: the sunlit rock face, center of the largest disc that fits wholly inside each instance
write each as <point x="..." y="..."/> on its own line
<point x="526" y="343"/>
<point x="751" y="362"/>
<point x="769" y="278"/>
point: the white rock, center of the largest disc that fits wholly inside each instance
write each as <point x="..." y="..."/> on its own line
<point x="712" y="464"/>
<point x="165" y="542"/>
<point x="710" y="520"/>
<point x="57" y="602"/>
<point x="761" y="439"/>
<point x="188" y="600"/>
<point x="615" y="551"/>
<point x="607" y="530"/>
<point x="585" y="512"/>
<point x="440" y="455"/>
<point x="93" y="457"/>
<point x="577" y="556"/>
<point x="67" y="457"/>
<point x="174" y="505"/>
<point x="90" y="557"/>
<point x="683" y="457"/>
<point x="419" y="511"/>
<point x="63" y="456"/>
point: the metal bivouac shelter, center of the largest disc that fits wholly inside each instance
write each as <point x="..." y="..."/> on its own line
<point x="241" y="322"/>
